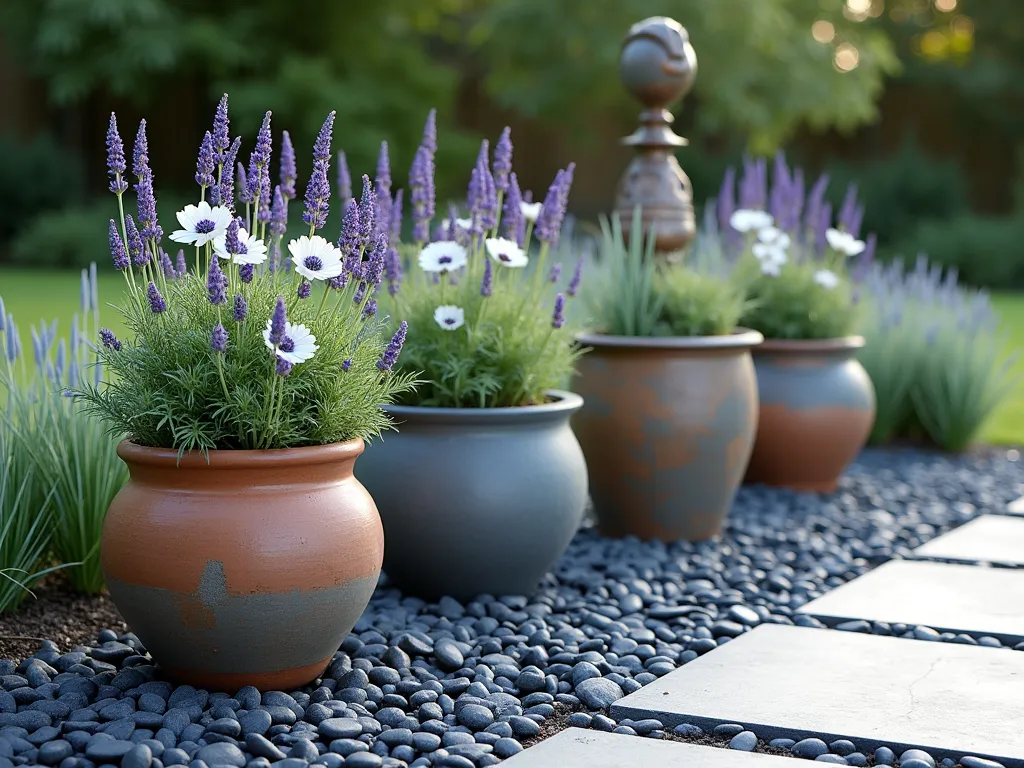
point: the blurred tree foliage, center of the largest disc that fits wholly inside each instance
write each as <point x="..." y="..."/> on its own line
<point x="383" y="64"/>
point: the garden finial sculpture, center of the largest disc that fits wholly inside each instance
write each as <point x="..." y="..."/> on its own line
<point x="657" y="65"/>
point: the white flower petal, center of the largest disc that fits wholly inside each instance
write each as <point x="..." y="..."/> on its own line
<point x="771" y="268"/>
<point x="837" y="239"/>
<point x="302" y="343"/>
<point x="826" y="278"/>
<point x="442" y="256"/>
<point x="530" y="211"/>
<point x="315" y="258"/>
<point x="746" y="220"/>
<point x="506" y="252"/>
<point x="450" y="317"/>
<point x="856" y="247"/>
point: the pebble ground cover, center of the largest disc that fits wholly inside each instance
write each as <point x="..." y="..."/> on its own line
<point x="464" y="685"/>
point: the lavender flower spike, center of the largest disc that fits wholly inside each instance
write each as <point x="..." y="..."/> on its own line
<point x="140" y="151"/>
<point x="241" y="308"/>
<point x="503" y="160"/>
<point x="394" y="349"/>
<point x="221" y="135"/>
<point x="393" y="270"/>
<point x="421" y="193"/>
<point x="350" y="239"/>
<point x="135" y="248"/>
<point x="367" y="213"/>
<point x="430" y="132"/>
<point x="279" y="213"/>
<point x="244" y="190"/>
<point x="382" y="183"/>
<point x="219" y="339"/>
<point x="558" y="317"/>
<point x="848" y="210"/>
<point x="179" y="263"/>
<point x="550" y="220"/>
<point x="395" y="227"/>
<point x="109" y="339"/>
<point x="487" y="283"/>
<point x="288" y="172"/>
<point x="246" y="272"/>
<point x="512" y="217"/>
<point x="370" y="309"/>
<point x="318" y="190"/>
<point x="115" y="158"/>
<point x="147" y="207"/>
<point x="277" y="322"/>
<point x="283" y="367"/>
<point x="259" y="162"/>
<point x="166" y="266"/>
<point x="344" y="177"/>
<point x="375" y="266"/>
<point x="577" y="277"/>
<point x="205" y="163"/>
<point x="555" y="273"/>
<point x="117" y="248"/>
<point x="156" y="301"/>
<point x="304" y="290"/>
<point x="226" y="193"/>
<point x="216" y="282"/>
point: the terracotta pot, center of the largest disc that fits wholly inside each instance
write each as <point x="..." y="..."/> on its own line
<point x="667" y="429"/>
<point x="817" y="408"/>
<point x="247" y="570"/>
<point x="477" y="500"/>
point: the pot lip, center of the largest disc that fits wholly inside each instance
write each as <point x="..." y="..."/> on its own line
<point x="740" y="338"/>
<point x="563" y="403"/>
<point x="310" y="455"/>
<point x="797" y="346"/>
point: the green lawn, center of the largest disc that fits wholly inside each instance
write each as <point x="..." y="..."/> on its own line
<point x="34" y="296"/>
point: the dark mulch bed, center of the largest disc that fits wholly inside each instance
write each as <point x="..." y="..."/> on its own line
<point x="58" y="614"/>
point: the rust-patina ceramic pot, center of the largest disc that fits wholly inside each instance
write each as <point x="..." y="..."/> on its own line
<point x="249" y="569"/>
<point x="817" y="408"/>
<point x="667" y="428"/>
<point x="477" y="500"/>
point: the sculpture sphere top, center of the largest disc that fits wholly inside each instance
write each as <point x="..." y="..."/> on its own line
<point x="657" y="64"/>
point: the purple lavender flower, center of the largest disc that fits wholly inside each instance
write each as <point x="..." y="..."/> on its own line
<point x="277" y="322"/>
<point x="117" y="248"/>
<point x="549" y="222"/>
<point x="246" y="272"/>
<point x="487" y="283"/>
<point x="394" y="348"/>
<point x="375" y="266"/>
<point x="346" y="364"/>
<point x="815" y="201"/>
<point x="140" y="151"/>
<point x="232" y="244"/>
<point x="382" y="182"/>
<point x="360" y="293"/>
<point x="221" y="134"/>
<point x="206" y="162"/>
<point x="821" y="226"/>
<point x="226" y="193"/>
<point x="156" y="301"/>
<point x="725" y="205"/>
<point x="489" y="208"/>
<point x="279" y="213"/>
<point x="304" y="290"/>
<point x="244" y="190"/>
<point x="848" y="211"/>
<point x="135" y="248"/>
<point x="577" y="277"/>
<point x="109" y="339"/>
<point x="259" y="161"/>
<point x="393" y="270"/>
<point x="430" y="132"/>
<point x="115" y="158"/>
<point x="753" y="192"/>
<point x="216" y="282"/>
<point x="555" y="273"/>
<point x="503" y="160"/>
<point x="241" y="308"/>
<point x="453" y="229"/>
<point x="283" y="367"/>
<point x="344" y="177"/>
<point x="339" y="282"/>
<point x="288" y="172"/>
<point x="318" y="190"/>
<point x="421" y="192"/>
<point x="367" y="214"/>
<point x="147" y="206"/>
<point x="179" y="263"/>
<point x="166" y="266"/>
<point x="512" y="217"/>
<point x="350" y="240"/>
<point x="263" y="211"/>
<point x="370" y="309"/>
<point x="558" y="316"/>
<point x="219" y="338"/>
<point x="395" y="226"/>
<point x="856" y="220"/>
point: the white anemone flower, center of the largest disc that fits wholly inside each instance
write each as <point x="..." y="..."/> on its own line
<point x="747" y="220"/>
<point x="826" y="278"/>
<point x="464" y="224"/>
<point x="254" y="250"/>
<point x="771" y="268"/>
<point x="442" y="256"/>
<point x="315" y="258"/>
<point x="201" y="224"/>
<point x="530" y="211"/>
<point x="775" y="236"/>
<point x="297" y="346"/>
<point x="769" y="253"/>
<point x="449" y="317"/>
<point x="844" y="242"/>
<point x="506" y="252"/>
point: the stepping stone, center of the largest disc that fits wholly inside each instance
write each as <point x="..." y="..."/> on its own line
<point x="1016" y="507"/>
<point x="579" y="748"/>
<point x="796" y="682"/>
<point x="943" y="596"/>
<point x="986" y="539"/>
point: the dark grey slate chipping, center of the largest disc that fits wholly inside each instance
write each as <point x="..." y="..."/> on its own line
<point x="797" y="682"/>
<point x="988" y="539"/>
<point x="942" y="596"/>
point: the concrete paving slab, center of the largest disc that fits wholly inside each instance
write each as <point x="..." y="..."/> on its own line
<point x="985" y="539"/>
<point x="943" y="596"/>
<point x="579" y="748"/>
<point x="1016" y="507"/>
<point x="796" y="682"/>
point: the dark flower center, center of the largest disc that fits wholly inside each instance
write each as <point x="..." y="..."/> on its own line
<point x="205" y="226"/>
<point x="286" y="345"/>
<point x="504" y="257"/>
<point x="444" y="260"/>
<point x="449" y="321"/>
<point x="313" y="263"/>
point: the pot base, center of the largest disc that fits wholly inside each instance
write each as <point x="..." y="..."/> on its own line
<point x="284" y="680"/>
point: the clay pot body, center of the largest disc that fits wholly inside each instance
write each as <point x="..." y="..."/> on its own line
<point x="817" y="408"/>
<point x="667" y="429"/>
<point x="247" y="570"/>
<point x="477" y="500"/>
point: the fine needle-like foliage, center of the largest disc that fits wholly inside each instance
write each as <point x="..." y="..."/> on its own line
<point x="234" y="347"/>
<point x="487" y="328"/>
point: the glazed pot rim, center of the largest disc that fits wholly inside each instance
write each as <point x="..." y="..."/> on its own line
<point x="563" y="404"/>
<point x="311" y="455"/>
<point x="796" y="346"/>
<point x="740" y="338"/>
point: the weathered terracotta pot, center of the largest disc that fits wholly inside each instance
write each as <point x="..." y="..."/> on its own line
<point x="817" y="408"/>
<point x="477" y="500"/>
<point x="667" y="429"/>
<point x="247" y="570"/>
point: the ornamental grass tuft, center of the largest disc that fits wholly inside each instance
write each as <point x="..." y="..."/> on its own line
<point x="246" y="345"/>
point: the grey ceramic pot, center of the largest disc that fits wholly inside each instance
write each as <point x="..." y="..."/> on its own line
<point x="477" y="500"/>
